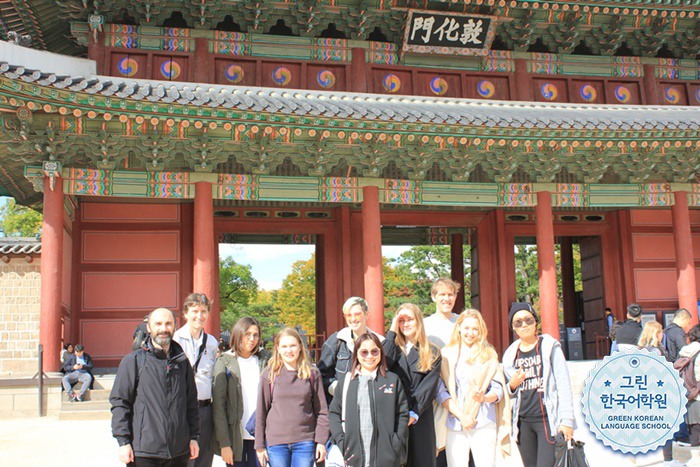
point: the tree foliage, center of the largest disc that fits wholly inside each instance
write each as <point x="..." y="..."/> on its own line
<point x="409" y="277"/>
<point x="236" y="282"/>
<point x="296" y="300"/>
<point x="19" y="221"/>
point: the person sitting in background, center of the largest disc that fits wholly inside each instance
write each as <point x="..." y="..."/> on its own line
<point x="78" y="368"/>
<point x="67" y="350"/>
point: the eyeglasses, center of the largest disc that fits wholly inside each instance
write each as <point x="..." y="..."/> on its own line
<point x="364" y="353"/>
<point x="353" y="315"/>
<point x="251" y="335"/>
<point x="518" y="323"/>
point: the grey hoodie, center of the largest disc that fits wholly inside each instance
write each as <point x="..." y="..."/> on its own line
<point x="688" y="351"/>
<point x="558" y="400"/>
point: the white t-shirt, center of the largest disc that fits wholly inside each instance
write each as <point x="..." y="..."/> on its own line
<point x="250" y="380"/>
<point x="438" y="329"/>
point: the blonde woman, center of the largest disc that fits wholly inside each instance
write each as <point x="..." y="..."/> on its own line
<point x="473" y="391"/>
<point x="416" y="361"/>
<point x="652" y="337"/>
<point x="291" y="427"/>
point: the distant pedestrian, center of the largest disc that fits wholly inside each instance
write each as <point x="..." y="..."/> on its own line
<point x="652" y="338"/>
<point x="154" y="400"/>
<point x="201" y="350"/>
<point x="627" y="334"/>
<point x="140" y="334"/>
<point x="67" y="350"/>
<point x="78" y="368"/>
<point x="676" y="337"/>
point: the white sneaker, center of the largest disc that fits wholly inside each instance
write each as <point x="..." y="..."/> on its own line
<point x="673" y="463"/>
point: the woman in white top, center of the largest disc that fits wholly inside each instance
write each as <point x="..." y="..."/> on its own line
<point x="235" y="393"/>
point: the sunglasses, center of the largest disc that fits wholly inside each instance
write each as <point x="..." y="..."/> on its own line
<point x="364" y="353"/>
<point x="518" y="323"/>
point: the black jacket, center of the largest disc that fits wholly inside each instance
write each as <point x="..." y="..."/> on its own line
<point x="72" y="360"/>
<point x="421" y="388"/>
<point x="676" y="338"/>
<point x="389" y="417"/>
<point x="628" y="332"/>
<point x="154" y="402"/>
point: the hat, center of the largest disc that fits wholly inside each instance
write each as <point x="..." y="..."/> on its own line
<point x="634" y="310"/>
<point x="79" y="347"/>
<point x="516" y="307"/>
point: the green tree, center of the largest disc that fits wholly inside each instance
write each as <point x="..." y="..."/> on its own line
<point x="264" y="313"/>
<point x="415" y="270"/>
<point x="19" y="221"/>
<point x="527" y="282"/>
<point x="296" y="300"/>
<point x="236" y="283"/>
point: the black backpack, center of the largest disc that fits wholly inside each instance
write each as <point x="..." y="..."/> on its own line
<point x="138" y="339"/>
<point x="686" y="368"/>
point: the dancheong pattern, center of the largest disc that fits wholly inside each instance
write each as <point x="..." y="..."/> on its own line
<point x="516" y="195"/>
<point x="239" y="187"/>
<point x="655" y="194"/>
<point x="402" y="192"/>
<point x="338" y="190"/>
<point x="572" y="195"/>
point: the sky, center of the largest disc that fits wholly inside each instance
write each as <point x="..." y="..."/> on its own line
<point x="271" y="263"/>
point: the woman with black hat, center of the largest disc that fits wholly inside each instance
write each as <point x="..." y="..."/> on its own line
<point x="538" y="381"/>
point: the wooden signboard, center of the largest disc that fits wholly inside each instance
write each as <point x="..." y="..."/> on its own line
<point x="448" y="33"/>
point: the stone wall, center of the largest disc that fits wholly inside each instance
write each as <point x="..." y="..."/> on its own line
<point x="20" y="284"/>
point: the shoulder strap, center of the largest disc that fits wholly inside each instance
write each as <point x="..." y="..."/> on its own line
<point x="139" y="364"/>
<point x="202" y="348"/>
<point x="346" y="384"/>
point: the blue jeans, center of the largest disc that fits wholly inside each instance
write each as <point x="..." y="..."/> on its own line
<point x="301" y="454"/>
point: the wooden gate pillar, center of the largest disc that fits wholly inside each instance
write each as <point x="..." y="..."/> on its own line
<point x="685" y="261"/>
<point x="51" y="272"/>
<point x="457" y="268"/>
<point x="205" y="260"/>
<point x="372" y="257"/>
<point x="546" y="264"/>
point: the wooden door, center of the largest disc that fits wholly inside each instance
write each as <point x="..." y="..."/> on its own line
<point x="593" y="320"/>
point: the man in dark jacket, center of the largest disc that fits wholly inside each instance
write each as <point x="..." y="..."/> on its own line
<point x="627" y="334"/>
<point x="675" y="333"/>
<point x="157" y="424"/>
<point x="78" y="367"/>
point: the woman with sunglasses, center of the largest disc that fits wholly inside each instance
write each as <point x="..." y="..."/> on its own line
<point x="472" y="389"/>
<point x="235" y="393"/>
<point x="291" y="426"/>
<point x="538" y="380"/>
<point x="369" y="412"/>
<point x="410" y="355"/>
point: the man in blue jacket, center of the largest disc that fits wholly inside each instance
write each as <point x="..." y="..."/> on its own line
<point x="154" y="400"/>
<point x="78" y="367"/>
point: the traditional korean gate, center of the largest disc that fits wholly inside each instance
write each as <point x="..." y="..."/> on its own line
<point x="593" y="319"/>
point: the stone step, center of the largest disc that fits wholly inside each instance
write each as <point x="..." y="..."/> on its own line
<point x="91" y="395"/>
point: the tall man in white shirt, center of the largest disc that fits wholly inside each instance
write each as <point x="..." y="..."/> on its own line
<point x="438" y="328"/>
<point x="200" y="349"/>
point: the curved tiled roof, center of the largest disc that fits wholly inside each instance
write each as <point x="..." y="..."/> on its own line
<point x="20" y="246"/>
<point x="375" y="107"/>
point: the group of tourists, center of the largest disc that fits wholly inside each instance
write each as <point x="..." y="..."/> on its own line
<point x="432" y="392"/>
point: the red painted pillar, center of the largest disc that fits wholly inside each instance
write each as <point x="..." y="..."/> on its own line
<point x="523" y="83"/>
<point x="357" y="70"/>
<point x="51" y="273"/>
<point x="372" y="257"/>
<point x="685" y="261"/>
<point x="651" y="90"/>
<point x="205" y="261"/>
<point x="457" y="268"/>
<point x="96" y="52"/>
<point x="568" y="284"/>
<point x="549" y="308"/>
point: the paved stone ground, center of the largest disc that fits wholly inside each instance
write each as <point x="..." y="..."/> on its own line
<point x="34" y="442"/>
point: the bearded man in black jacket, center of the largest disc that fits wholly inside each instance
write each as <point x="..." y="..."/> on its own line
<point x="154" y="400"/>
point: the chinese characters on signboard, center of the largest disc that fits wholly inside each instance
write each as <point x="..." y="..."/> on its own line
<point x="430" y="32"/>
